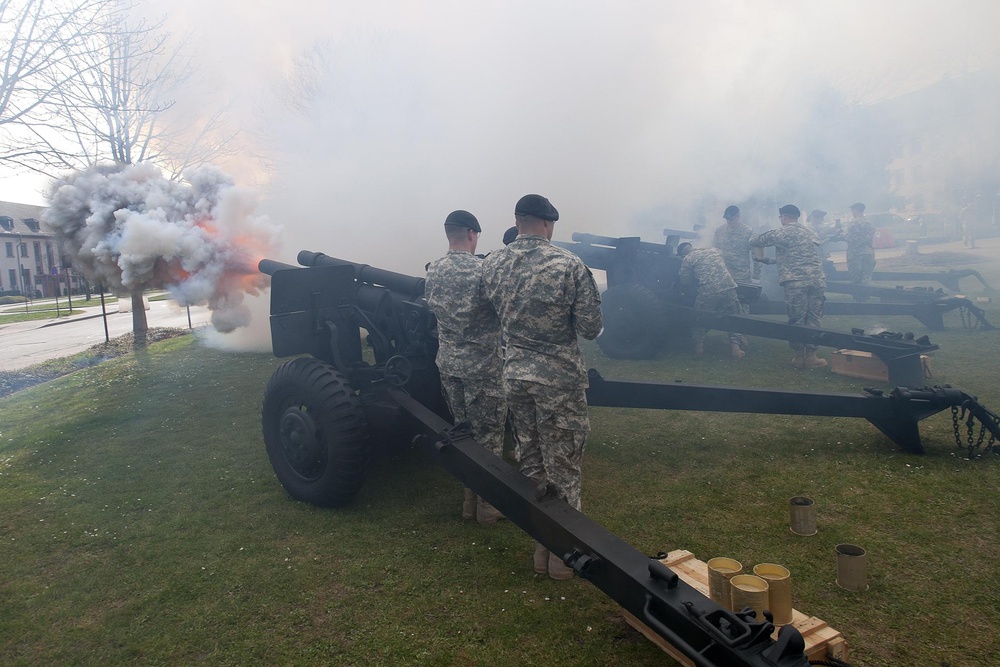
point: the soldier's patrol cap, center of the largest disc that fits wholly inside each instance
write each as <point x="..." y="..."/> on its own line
<point x="462" y="219"/>
<point x="791" y="210"/>
<point x="510" y="235"/>
<point x="731" y="212"/>
<point x="816" y="213"/>
<point x="537" y="206"/>
<point x="858" y="207"/>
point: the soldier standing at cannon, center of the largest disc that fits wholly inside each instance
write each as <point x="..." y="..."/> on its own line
<point x="704" y="272"/>
<point x="824" y="232"/>
<point x="860" y="239"/>
<point x="733" y="240"/>
<point x="468" y="356"/>
<point x="545" y="297"/>
<point x="800" y="272"/>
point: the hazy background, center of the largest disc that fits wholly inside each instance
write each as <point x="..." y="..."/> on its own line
<point x="365" y="123"/>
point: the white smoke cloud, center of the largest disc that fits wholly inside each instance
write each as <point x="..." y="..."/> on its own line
<point x="130" y="228"/>
<point x="629" y="116"/>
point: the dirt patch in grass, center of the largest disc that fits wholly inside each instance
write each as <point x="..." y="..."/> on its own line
<point x="12" y="381"/>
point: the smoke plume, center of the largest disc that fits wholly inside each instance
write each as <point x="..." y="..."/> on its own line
<point x="129" y="228"/>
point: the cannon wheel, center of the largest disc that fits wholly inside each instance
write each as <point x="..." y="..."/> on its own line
<point x="634" y="323"/>
<point x="315" y="432"/>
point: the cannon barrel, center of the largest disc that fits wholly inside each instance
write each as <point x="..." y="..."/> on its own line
<point x="627" y="242"/>
<point x="269" y="266"/>
<point x="408" y="287"/>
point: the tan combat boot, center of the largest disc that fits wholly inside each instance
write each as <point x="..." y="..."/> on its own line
<point x="735" y="351"/>
<point x="812" y="361"/>
<point x="541" y="559"/>
<point x="799" y="360"/>
<point x="469" y="504"/>
<point x="486" y="514"/>
<point x="558" y="570"/>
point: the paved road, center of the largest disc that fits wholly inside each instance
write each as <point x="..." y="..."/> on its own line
<point x="25" y="343"/>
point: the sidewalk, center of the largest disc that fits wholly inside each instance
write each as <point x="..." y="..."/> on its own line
<point x="28" y="343"/>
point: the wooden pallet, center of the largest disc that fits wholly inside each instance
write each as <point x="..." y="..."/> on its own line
<point x="822" y="641"/>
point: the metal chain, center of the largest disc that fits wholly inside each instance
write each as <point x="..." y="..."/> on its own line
<point x="971" y="443"/>
<point x="954" y="426"/>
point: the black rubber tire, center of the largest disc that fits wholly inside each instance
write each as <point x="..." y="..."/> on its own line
<point x="635" y="324"/>
<point x="315" y="433"/>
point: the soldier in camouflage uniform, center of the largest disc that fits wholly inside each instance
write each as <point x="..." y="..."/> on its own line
<point x="545" y="297"/>
<point x="824" y="232"/>
<point x="733" y="239"/>
<point x="860" y="239"/>
<point x="468" y="355"/>
<point x="704" y="271"/>
<point x="800" y="272"/>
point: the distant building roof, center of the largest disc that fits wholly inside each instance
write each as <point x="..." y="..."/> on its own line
<point x="22" y="219"/>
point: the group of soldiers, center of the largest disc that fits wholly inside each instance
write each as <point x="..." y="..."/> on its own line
<point x="507" y="331"/>
<point x="508" y="325"/>
<point x="736" y="255"/>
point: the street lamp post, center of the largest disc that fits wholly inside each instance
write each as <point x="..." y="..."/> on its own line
<point x="20" y="271"/>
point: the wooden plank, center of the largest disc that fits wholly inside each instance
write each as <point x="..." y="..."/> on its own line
<point x="821" y="640"/>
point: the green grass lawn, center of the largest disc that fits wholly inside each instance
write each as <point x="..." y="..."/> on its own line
<point x="142" y="524"/>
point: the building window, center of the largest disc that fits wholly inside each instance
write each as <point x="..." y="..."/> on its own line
<point x="24" y="249"/>
<point x="10" y="249"/>
<point x="12" y="277"/>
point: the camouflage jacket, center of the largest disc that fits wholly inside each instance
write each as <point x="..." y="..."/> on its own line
<point x="546" y="297"/>
<point x="734" y="243"/>
<point x="705" y="268"/>
<point x="796" y="251"/>
<point x="860" y="238"/>
<point x="468" y="327"/>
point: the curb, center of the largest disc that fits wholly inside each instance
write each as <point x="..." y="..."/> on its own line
<point x="70" y="319"/>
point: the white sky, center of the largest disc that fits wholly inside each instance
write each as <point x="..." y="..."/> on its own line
<point x="611" y="109"/>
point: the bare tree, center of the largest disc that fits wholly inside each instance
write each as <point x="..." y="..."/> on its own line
<point x="111" y="88"/>
<point x="121" y="104"/>
<point x="38" y="41"/>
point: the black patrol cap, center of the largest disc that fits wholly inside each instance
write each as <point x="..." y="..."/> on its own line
<point x="858" y="207"/>
<point x="510" y="235"/>
<point x="791" y="210"/>
<point x="462" y="219"/>
<point x="731" y="212"/>
<point x="538" y="206"/>
<point x="816" y="213"/>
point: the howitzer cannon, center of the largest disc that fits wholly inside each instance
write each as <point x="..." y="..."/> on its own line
<point x="641" y="309"/>
<point x="322" y="417"/>
<point x="928" y="305"/>
<point x="950" y="279"/>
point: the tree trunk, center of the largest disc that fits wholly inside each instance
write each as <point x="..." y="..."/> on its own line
<point x="139" y="325"/>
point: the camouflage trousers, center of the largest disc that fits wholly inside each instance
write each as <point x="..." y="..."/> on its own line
<point x="550" y="427"/>
<point x="861" y="267"/>
<point x="481" y="403"/>
<point x="720" y="303"/>
<point x="804" y="304"/>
